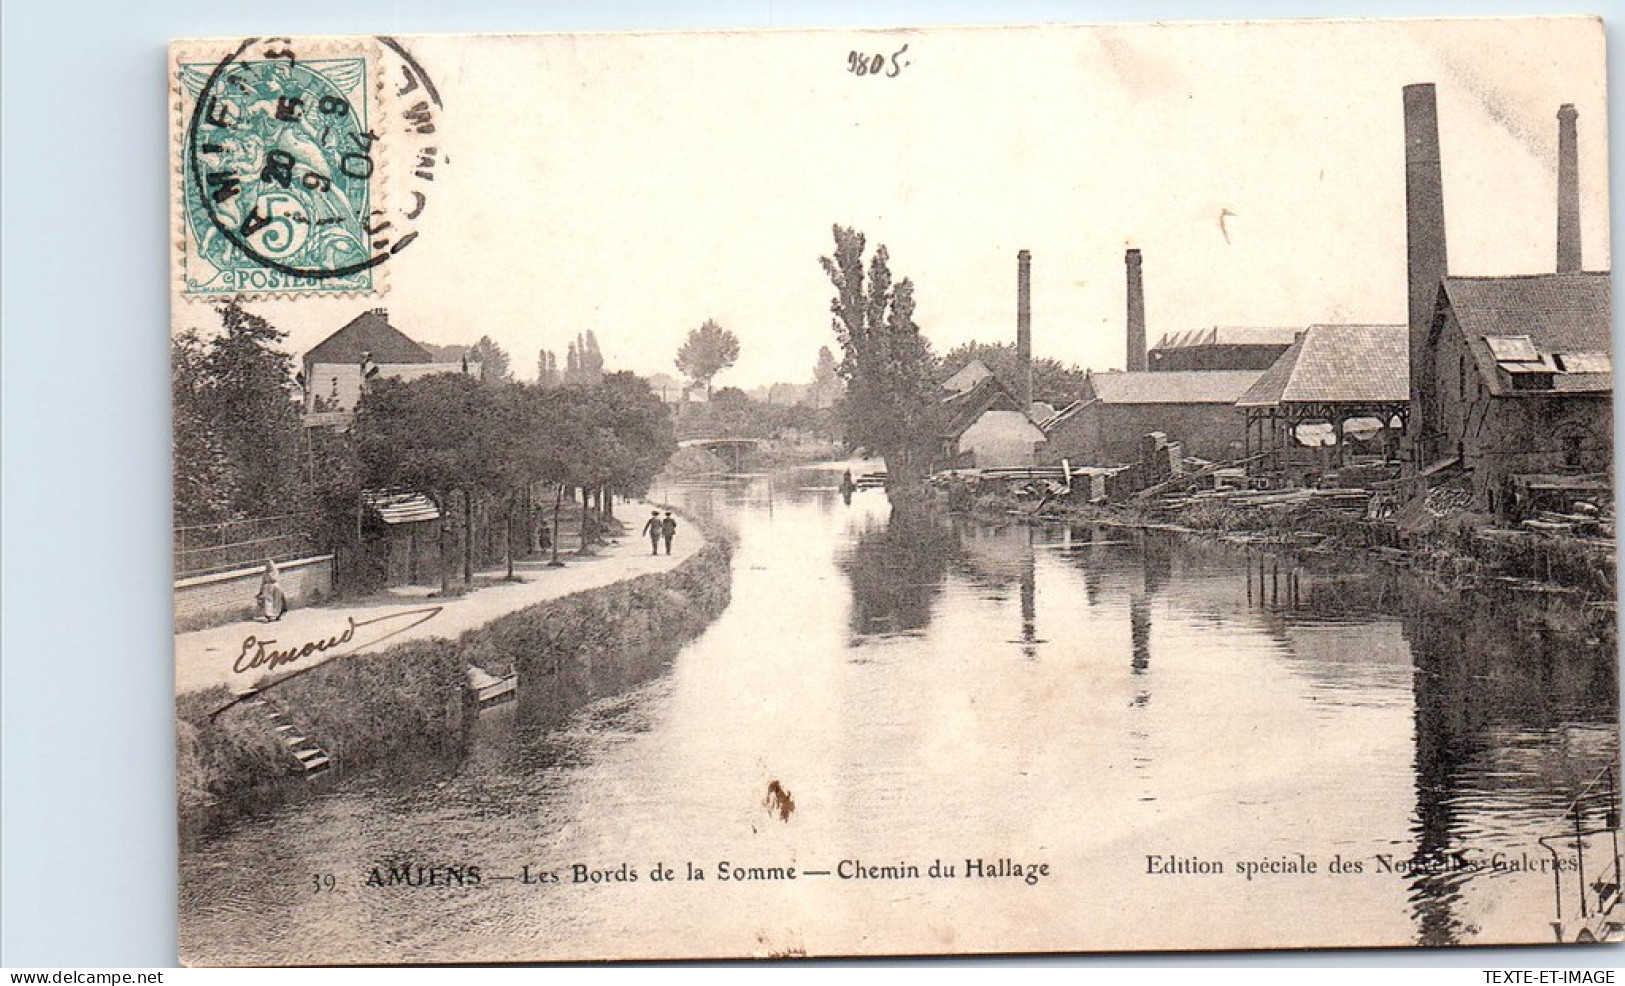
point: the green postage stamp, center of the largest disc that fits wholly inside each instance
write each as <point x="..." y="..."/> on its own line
<point x="281" y="156"/>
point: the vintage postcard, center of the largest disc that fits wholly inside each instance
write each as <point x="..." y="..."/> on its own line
<point x="893" y="492"/>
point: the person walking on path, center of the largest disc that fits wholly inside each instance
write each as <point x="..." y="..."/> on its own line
<point x="668" y="530"/>
<point x="653" y="528"/>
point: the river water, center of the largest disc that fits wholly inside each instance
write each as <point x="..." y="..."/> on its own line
<point x="1120" y="707"/>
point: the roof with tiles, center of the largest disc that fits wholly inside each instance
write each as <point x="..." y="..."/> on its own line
<point x="371" y="334"/>
<point x="1173" y="386"/>
<point x="1554" y="326"/>
<point x="958" y="411"/>
<point x="1338" y="364"/>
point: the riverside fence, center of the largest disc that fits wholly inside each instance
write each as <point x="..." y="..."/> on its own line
<point x="208" y="548"/>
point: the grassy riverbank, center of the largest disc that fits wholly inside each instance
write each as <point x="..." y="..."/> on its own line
<point x="409" y="704"/>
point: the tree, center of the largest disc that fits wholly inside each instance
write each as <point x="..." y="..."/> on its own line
<point x="237" y="428"/>
<point x="592" y="361"/>
<point x="546" y="430"/>
<point x="547" y="369"/>
<point x="887" y="366"/>
<point x="1053" y="380"/>
<point x="707" y="351"/>
<point x="642" y="430"/>
<point x="826" y="379"/>
<point x="528" y="426"/>
<point x="620" y="439"/>
<point x="437" y="434"/>
<point x="493" y="361"/>
<point x="585" y="364"/>
<point x="205" y="484"/>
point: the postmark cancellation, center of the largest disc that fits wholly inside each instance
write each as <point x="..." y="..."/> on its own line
<point x="282" y="157"/>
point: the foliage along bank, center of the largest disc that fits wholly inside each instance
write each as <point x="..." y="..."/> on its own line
<point x="481" y="447"/>
<point x="408" y="708"/>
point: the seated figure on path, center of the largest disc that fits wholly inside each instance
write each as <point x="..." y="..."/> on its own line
<point x="271" y="600"/>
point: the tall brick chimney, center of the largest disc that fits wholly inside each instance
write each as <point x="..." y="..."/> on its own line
<point x="1136" y="313"/>
<point x="1426" y="262"/>
<point x="1024" y="330"/>
<point x="1568" y="192"/>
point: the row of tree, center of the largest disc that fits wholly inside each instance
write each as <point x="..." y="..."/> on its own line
<point x="732" y="413"/>
<point x="492" y="358"/>
<point x="240" y="450"/>
<point x="583" y="364"/>
<point x="454" y="439"/>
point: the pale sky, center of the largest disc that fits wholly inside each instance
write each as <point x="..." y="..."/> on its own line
<point x="639" y="184"/>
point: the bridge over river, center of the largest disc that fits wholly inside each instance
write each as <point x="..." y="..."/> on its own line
<point x="730" y="450"/>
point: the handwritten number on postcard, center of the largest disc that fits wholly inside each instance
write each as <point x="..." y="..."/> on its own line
<point x="860" y="63"/>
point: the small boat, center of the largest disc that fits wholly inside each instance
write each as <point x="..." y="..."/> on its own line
<point x="490" y="690"/>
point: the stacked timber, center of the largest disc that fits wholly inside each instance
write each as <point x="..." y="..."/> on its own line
<point x="1552" y="522"/>
<point x="1023" y="473"/>
<point x="1351" y="501"/>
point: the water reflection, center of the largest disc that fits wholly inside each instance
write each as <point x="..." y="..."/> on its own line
<point x="1508" y="719"/>
<point x="1510" y="723"/>
<point x="1084" y="694"/>
<point x="896" y="573"/>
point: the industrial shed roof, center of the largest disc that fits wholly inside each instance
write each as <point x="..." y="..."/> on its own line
<point x="1338" y="364"/>
<point x="1172" y="387"/>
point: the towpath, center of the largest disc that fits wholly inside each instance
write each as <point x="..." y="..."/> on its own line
<point x="205" y="658"/>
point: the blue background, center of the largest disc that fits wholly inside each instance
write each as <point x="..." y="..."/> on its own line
<point x="87" y="876"/>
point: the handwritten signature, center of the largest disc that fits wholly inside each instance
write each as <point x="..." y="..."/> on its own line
<point x="261" y="654"/>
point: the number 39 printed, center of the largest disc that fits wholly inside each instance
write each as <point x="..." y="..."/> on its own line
<point x="859" y="63"/>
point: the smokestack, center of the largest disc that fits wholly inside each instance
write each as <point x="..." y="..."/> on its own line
<point x="1426" y="262"/>
<point x="1568" y="192"/>
<point x="1024" y="330"/>
<point x="1136" y="313"/>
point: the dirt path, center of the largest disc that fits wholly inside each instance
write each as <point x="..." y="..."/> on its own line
<point x="219" y="655"/>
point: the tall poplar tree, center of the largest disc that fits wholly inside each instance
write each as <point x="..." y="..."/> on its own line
<point x="887" y="366"/>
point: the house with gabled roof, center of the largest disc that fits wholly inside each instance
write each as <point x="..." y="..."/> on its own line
<point x="367" y="347"/>
<point x="1511" y="377"/>
<point x="368" y="334"/>
<point x="1522" y="383"/>
<point x="983" y="426"/>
